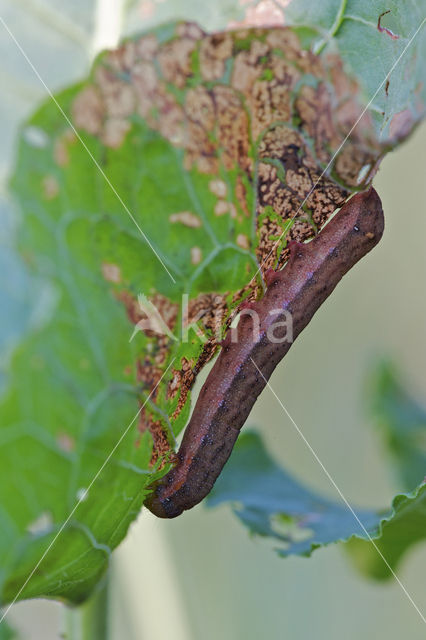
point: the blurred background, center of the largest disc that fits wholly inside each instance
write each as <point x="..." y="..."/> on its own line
<point x="202" y="576"/>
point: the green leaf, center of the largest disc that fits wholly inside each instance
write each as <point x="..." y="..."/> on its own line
<point x="402" y="529"/>
<point x="401" y="423"/>
<point x="7" y="633"/>
<point x="192" y="156"/>
<point x="273" y="504"/>
<point x="389" y="69"/>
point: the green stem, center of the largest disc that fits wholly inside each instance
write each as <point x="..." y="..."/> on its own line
<point x="89" y="621"/>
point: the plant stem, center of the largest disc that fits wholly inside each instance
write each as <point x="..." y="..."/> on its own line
<point x="89" y="621"/>
<point x="109" y="17"/>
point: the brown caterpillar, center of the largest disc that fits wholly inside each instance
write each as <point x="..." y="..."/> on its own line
<point x="234" y="383"/>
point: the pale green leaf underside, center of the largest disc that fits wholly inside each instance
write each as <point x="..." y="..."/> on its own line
<point x="350" y="26"/>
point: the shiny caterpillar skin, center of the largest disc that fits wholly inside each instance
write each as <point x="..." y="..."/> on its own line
<point x="234" y="383"/>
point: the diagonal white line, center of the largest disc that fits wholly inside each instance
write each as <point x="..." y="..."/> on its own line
<point x="96" y="163"/>
<point x="84" y="495"/>
<point x="341" y="494"/>
<point x="346" y="138"/>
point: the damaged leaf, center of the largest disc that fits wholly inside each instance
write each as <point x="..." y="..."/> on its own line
<point x="243" y="128"/>
<point x="184" y="165"/>
<point x="272" y="504"/>
<point x="382" y="44"/>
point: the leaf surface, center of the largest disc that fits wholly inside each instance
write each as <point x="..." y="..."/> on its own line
<point x="271" y="503"/>
<point x="183" y="165"/>
<point x="400" y="421"/>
